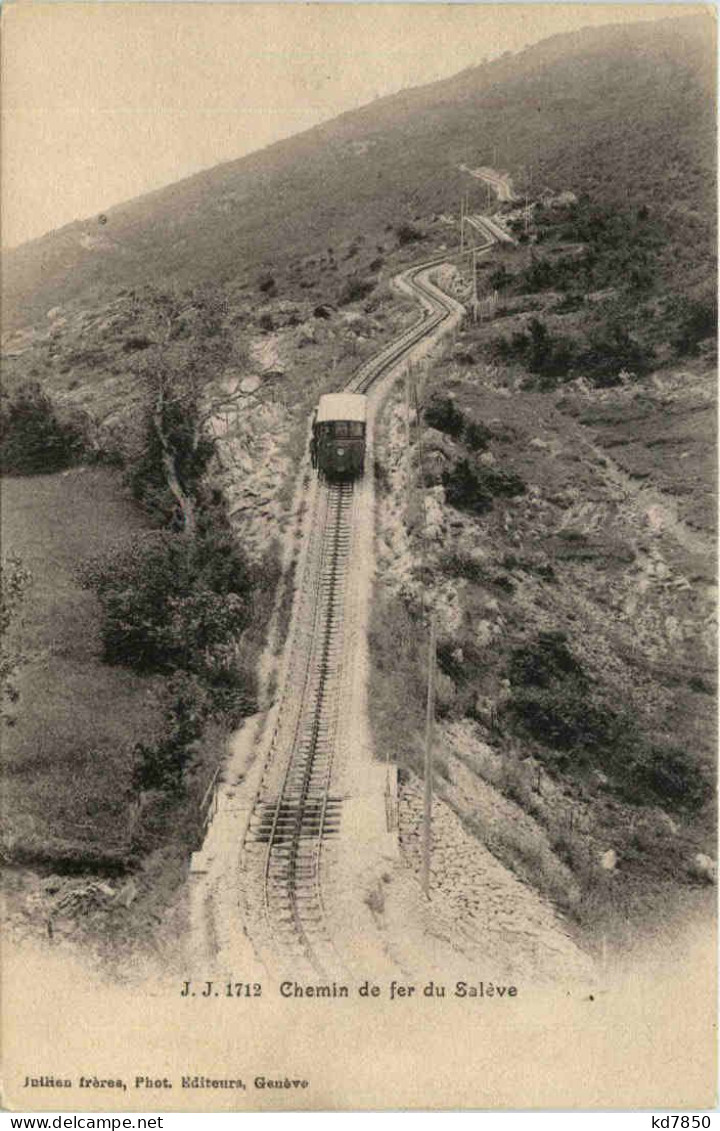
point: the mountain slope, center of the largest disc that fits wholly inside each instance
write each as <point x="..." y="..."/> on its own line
<point x="627" y="111"/>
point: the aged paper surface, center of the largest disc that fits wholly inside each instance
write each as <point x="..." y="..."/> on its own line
<point x="353" y="991"/>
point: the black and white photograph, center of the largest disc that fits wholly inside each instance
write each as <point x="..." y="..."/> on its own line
<point x="358" y="456"/>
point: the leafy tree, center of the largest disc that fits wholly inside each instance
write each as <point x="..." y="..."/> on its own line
<point x="172" y="602"/>
<point x="192" y="346"/>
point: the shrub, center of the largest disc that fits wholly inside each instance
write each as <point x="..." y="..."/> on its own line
<point x="170" y="602"/>
<point x="696" y="321"/>
<point x="569" y="303"/>
<point x="162" y="765"/>
<point x="137" y="342"/>
<point x="553" y="700"/>
<point x="548" y="356"/>
<point x="464" y="488"/>
<point x="612" y="351"/>
<point x="668" y="773"/>
<point x="546" y="659"/>
<point x="15" y="580"/>
<point x="476" y="436"/>
<point x="457" y="563"/>
<point x="500" y="278"/>
<point x="460" y="660"/>
<point x="355" y="289"/>
<point x="442" y="413"/>
<point x="34" y="438"/>
<point x="472" y="487"/>
<point x="407" y="233"/>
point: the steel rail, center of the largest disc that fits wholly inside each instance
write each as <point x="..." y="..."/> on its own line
<point x="303" y="814"/>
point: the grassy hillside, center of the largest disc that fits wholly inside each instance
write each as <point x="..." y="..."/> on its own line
<point x="626" y="112"/>
<point x="68" y="757"/>
<point x="566" y="542"/>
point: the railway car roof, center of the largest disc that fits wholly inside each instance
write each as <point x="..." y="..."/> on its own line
<point x="342" y="406"/>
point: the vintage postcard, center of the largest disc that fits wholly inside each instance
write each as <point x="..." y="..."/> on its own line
<point x="358" y="557"/>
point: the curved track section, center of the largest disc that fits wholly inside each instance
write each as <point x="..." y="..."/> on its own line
<point x="296" y="813"/>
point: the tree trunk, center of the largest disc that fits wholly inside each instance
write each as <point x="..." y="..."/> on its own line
<point x="183" y="500"/>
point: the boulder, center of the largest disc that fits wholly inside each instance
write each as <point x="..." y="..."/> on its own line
<point x="250" y="384"/>
<point x="703" y="868"/>
<point x="483" y="632"/>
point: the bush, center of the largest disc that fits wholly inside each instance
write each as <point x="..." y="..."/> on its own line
<point x="500" y="278"/>
<point x="442" y="413"/>
<point x="464" y="488"/>
<point x="189" y="608"/>
<point x="668" y="773"/>
<point x="15" y="580"/>
<point x="34" y="439"/>
<point x="137" y="342"/>
<point x="547" y="356"/>
<point x="554" y="702"/>
<point x="457" y="563"/>
<point x="612" y="351"/>
<point x="546" y="659"/>
<point x="473" y="487"/>
<point x="162" y="765"/>
<point x="355" y="289"/>
<point x="172" y="603"/>
<point x="476" y="436"/>
<point x="569" y="303"/>
<point x="407" y="233"/>
<point x="696" y="321"/>
<point x="568" y="715"/>
<point x="572" y="718"/>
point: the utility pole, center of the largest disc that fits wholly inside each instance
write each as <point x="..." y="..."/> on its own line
<point x="474" y="286"/>
<point x="408" y="376"/>
<point x="462" y="223"/>
<point x="430" y="706"/>
<point x="429" y="724"/>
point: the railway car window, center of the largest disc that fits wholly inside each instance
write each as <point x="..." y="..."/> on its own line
<point x="341" y="428"/>
<point x="356" y="428"/>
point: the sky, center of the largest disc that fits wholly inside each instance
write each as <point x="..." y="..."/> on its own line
<point x="104" y="101"/>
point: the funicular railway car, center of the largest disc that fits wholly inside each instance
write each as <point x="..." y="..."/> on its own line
<point x="338" y="435"/>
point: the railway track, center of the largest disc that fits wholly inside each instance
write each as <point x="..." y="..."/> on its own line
<point x="296" y="814"/>
<point x="438" y="308"/>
